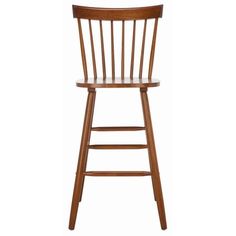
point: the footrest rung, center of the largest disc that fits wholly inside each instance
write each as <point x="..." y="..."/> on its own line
<point x="117" y="173"/>
<point x="118" y="146"/>
<point x="118" y="128"/>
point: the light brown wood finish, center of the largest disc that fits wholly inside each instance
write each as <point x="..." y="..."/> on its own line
<point x="119" y="128"/>
<point x="132" y="52"/>
<point x="123" y="51"/>
<point x="137" y="13"/>
<point x="142" y="51"/>
<point x="102" y="51"/>
<point x="84" y="63"/>
<point x="152" y="50"/>
<point x="111" y="81"/>
<point x="92" y="50"/>
<point x="118" y="83"/>
<point x="112" y="52"/>
<point x="117" y="173"/>
<point x="102" y="14"/>
<point x="81" y="168"/>
<point x="117" y="146"/>
<point x="153" y="158"/>
<point x="92" y="93"/>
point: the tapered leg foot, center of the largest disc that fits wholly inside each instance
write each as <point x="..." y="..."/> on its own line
<point x="81" y="168"/>
<point x="156" y="181"/>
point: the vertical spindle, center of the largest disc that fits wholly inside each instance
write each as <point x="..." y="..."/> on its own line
<point x="132" y="52"/>
<point x="152" y="50"/>
<point x="123" y="51"/>
<point x="92" y="50"/>
<point x="112" y="51"/>
<point x="83" y="55"/>
<point x="102" y="51"/>
<point x="142" y="51"/>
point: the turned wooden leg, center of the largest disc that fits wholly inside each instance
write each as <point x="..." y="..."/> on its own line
<point x="81" y="168"/>
<point x="86" y="154"/>
<point x="153" y="158"/>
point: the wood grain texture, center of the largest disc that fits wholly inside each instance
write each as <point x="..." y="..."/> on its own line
<point x="118" y="83"/>
<point x="122" y="15"/>
<point x="113" y="81"/>
<point x="117" y="13"/>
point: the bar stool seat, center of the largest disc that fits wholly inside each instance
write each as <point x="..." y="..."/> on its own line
<point x="118" y="82"/>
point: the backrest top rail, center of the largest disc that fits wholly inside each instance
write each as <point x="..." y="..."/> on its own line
<point x="138" y="13"/>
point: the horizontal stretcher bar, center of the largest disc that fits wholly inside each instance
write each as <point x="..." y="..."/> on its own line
<point x="118" y="146"/>
<point x="118" y="128"/>
<point x="117" y="173"/>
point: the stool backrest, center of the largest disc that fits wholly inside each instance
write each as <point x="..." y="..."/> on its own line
<point x="123" y="15"/>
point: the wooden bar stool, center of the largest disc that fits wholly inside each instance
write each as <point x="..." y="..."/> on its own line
<point x="144" y="14"/>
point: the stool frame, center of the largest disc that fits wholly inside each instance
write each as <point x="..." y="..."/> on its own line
<point x="117" y="14"/>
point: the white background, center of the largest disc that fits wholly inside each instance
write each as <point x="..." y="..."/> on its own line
<point x="42" y="112"/>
